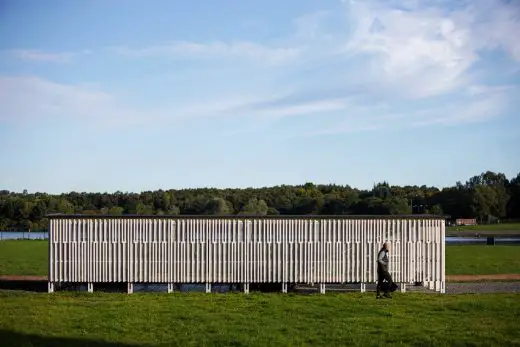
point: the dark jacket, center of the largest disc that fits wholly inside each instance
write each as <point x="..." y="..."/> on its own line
<point x="382" y="260"/>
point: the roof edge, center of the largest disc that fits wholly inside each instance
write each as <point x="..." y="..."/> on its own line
<point x="136" y="216"/>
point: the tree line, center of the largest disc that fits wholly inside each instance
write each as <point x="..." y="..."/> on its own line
<point x="488" y="197"/>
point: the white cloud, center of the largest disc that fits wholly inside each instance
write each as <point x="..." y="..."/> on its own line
<point x="42" y="56"/>
<point x="414" y="63"/>
<point x="495" y="24"/>
<point x="395" y="53"/>
<point x="476" y="89"/>
<point x="31" y="98"/>
<point x="479" y="109"/>
<point x="427" y="50"/>
<point x="25" y="99"/>
<point x="185" y="49"/>
<point x="310" y="26"/>
<point x="472" y="109"/>
<point x="300" y="108"/>
<point x="210" y="108"/>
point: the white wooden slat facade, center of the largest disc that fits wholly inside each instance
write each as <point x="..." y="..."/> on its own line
<point x="196" y="249"/>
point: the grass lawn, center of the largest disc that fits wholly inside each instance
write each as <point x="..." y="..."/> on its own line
<point x="199" y="319"/>
<point x="511" y="227"/>
<point x="482" y="259"/>
<point x="24" y="257"/>
<point x="234" y="319"/>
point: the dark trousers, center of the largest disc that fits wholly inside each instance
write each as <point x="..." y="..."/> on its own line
<point x="381" y="276"/>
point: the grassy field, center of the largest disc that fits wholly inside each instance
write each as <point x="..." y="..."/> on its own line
<point x="482" y="260"/>
<point x="24" y="257"/>
<point x="506" y="227"/>
<point x="234" y="319"/>
<point x="30" y="258"/>
<point x="198" y="319"/>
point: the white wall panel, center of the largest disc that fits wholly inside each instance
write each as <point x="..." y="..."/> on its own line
<point x="244" y="250"/>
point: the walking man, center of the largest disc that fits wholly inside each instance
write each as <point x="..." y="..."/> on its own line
<point x="382" y="271"/>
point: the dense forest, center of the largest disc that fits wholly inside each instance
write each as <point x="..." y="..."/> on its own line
<point x="489" y="197"/>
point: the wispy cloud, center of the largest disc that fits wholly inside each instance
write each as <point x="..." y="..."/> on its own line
<point x="215" y="50"/>
<point x="474" y="108"/>
<point x="42" y="56"/>
<point x="400" y="53"/>
<point x="31" y="98"/>
<point x="370" y="66"/>
<point x="477" y="109"/>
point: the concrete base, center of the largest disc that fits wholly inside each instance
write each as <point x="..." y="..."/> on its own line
<point x="171" y="286"/>
<point x="284" y="287"/>
<point x="437" y="286"/>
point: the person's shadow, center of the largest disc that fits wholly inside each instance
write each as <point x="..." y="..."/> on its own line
<point x="385" y="287"/>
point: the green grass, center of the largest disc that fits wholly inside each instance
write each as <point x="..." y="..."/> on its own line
<point x="199" y="319"/>
<point x="511" y="227"/>
<point x="235" y="319"/>
<point x="25" y="257"/>
<point x="482" y="259"/>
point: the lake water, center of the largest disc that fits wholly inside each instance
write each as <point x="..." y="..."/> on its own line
<point x="38" y="235"/>
<point x="25" y="235"/>
<point x="483" y="240"/>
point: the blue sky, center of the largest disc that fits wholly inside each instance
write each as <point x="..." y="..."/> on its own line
<point x="134" y="95"/>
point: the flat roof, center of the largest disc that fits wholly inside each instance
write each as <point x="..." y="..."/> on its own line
<point x="136" y="216"/>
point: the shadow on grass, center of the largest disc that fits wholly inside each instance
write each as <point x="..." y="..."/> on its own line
<point x="41" y="286"/>
<point x="15" y="339"/>
<point x="24" y="285"/>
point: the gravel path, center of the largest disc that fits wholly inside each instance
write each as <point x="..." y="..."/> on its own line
<point x="483" y="287"/>
<point x="471" y="288"/>
<point x="451" y="288"/>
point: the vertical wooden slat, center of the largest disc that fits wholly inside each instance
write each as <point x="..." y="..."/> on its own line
<point x="286" y="250"/>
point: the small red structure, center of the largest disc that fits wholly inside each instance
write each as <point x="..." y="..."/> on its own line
<point x="466" y="221"/>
